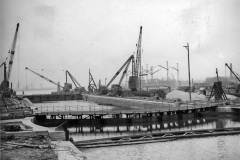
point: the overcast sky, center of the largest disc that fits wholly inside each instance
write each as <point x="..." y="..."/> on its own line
<point x="101" y="34"/>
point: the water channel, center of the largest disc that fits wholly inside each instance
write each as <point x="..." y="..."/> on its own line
<point x="214" y="148"/>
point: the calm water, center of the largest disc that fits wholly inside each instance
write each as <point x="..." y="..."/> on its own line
<point x="79" y="133"/>
<point x="210" y="148"/>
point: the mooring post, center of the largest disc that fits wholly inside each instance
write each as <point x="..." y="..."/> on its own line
<point x="67" y="134"/>
<point x="139" y="128"/>
<point x="117" y="128"/>
<point x="179" y="115"/>
<point x="128" y="128"/>
<point x="160" y="115"/>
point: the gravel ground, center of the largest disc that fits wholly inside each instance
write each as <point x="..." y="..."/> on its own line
<point x="25" y="153"/>
<point x="32" y="148"/>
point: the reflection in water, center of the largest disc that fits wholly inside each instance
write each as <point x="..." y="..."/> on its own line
<point x="98" y="130"/>
<point x="185" y="149"/>
<point x="143" y="127"/>
<point x="221" y="123"/>
<point x="214" y="148"/>
<point x="221" y="147"/>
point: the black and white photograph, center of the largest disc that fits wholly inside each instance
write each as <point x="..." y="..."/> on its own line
<point x="119" y="80"/>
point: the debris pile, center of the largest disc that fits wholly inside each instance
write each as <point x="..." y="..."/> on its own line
<point x="38" y="147"/>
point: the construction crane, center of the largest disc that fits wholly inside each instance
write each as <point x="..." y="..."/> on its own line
<point x="166" y="68"/>
<point x="144" y="72"/>
<point x="237" y="86"/>
<point x="234" y="73"/>
<point x="92" y="87"/>
<point x="12" y="52"/>
<point x="116" y="89"/>
<point x="75" y="82"/>
<point x="154" y="72"/>
<point x="137" y="63"/>
<point x="217" y="90"/>
<point x="134" y="80"/>
<point x="7" y="72"/>
<point x="47" y="79"/>
<point x="126" y="65"/>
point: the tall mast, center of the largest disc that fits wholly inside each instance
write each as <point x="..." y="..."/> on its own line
<point x="12" y="51"/>
<point x="138" y="54"/>
<point x="189" y="76"/>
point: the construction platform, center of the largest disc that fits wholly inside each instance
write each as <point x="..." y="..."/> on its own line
<point x="128" y="111"/>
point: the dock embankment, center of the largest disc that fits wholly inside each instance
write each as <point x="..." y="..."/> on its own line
<point x="25" y="138"/>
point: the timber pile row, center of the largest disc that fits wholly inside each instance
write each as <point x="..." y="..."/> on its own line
<point x="156" y="137"/>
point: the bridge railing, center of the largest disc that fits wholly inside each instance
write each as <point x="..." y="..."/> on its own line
<point x="70" y="108"/>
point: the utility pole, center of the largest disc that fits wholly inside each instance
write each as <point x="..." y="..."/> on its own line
<point x="189" y="76"/>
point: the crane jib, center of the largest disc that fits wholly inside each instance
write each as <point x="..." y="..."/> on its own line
<point x="12" y="52"/>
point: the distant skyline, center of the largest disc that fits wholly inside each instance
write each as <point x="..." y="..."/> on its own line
<point x="80" y="34"/>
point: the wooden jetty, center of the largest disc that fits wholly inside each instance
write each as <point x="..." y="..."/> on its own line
<point x="131" y="112"/>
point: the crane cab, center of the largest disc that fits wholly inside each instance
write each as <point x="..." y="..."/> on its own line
<point x="103" y="90"/>
<point x="133" y="83"/>
<point x="116" y="90"/>
<point x="67" y="87"/>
